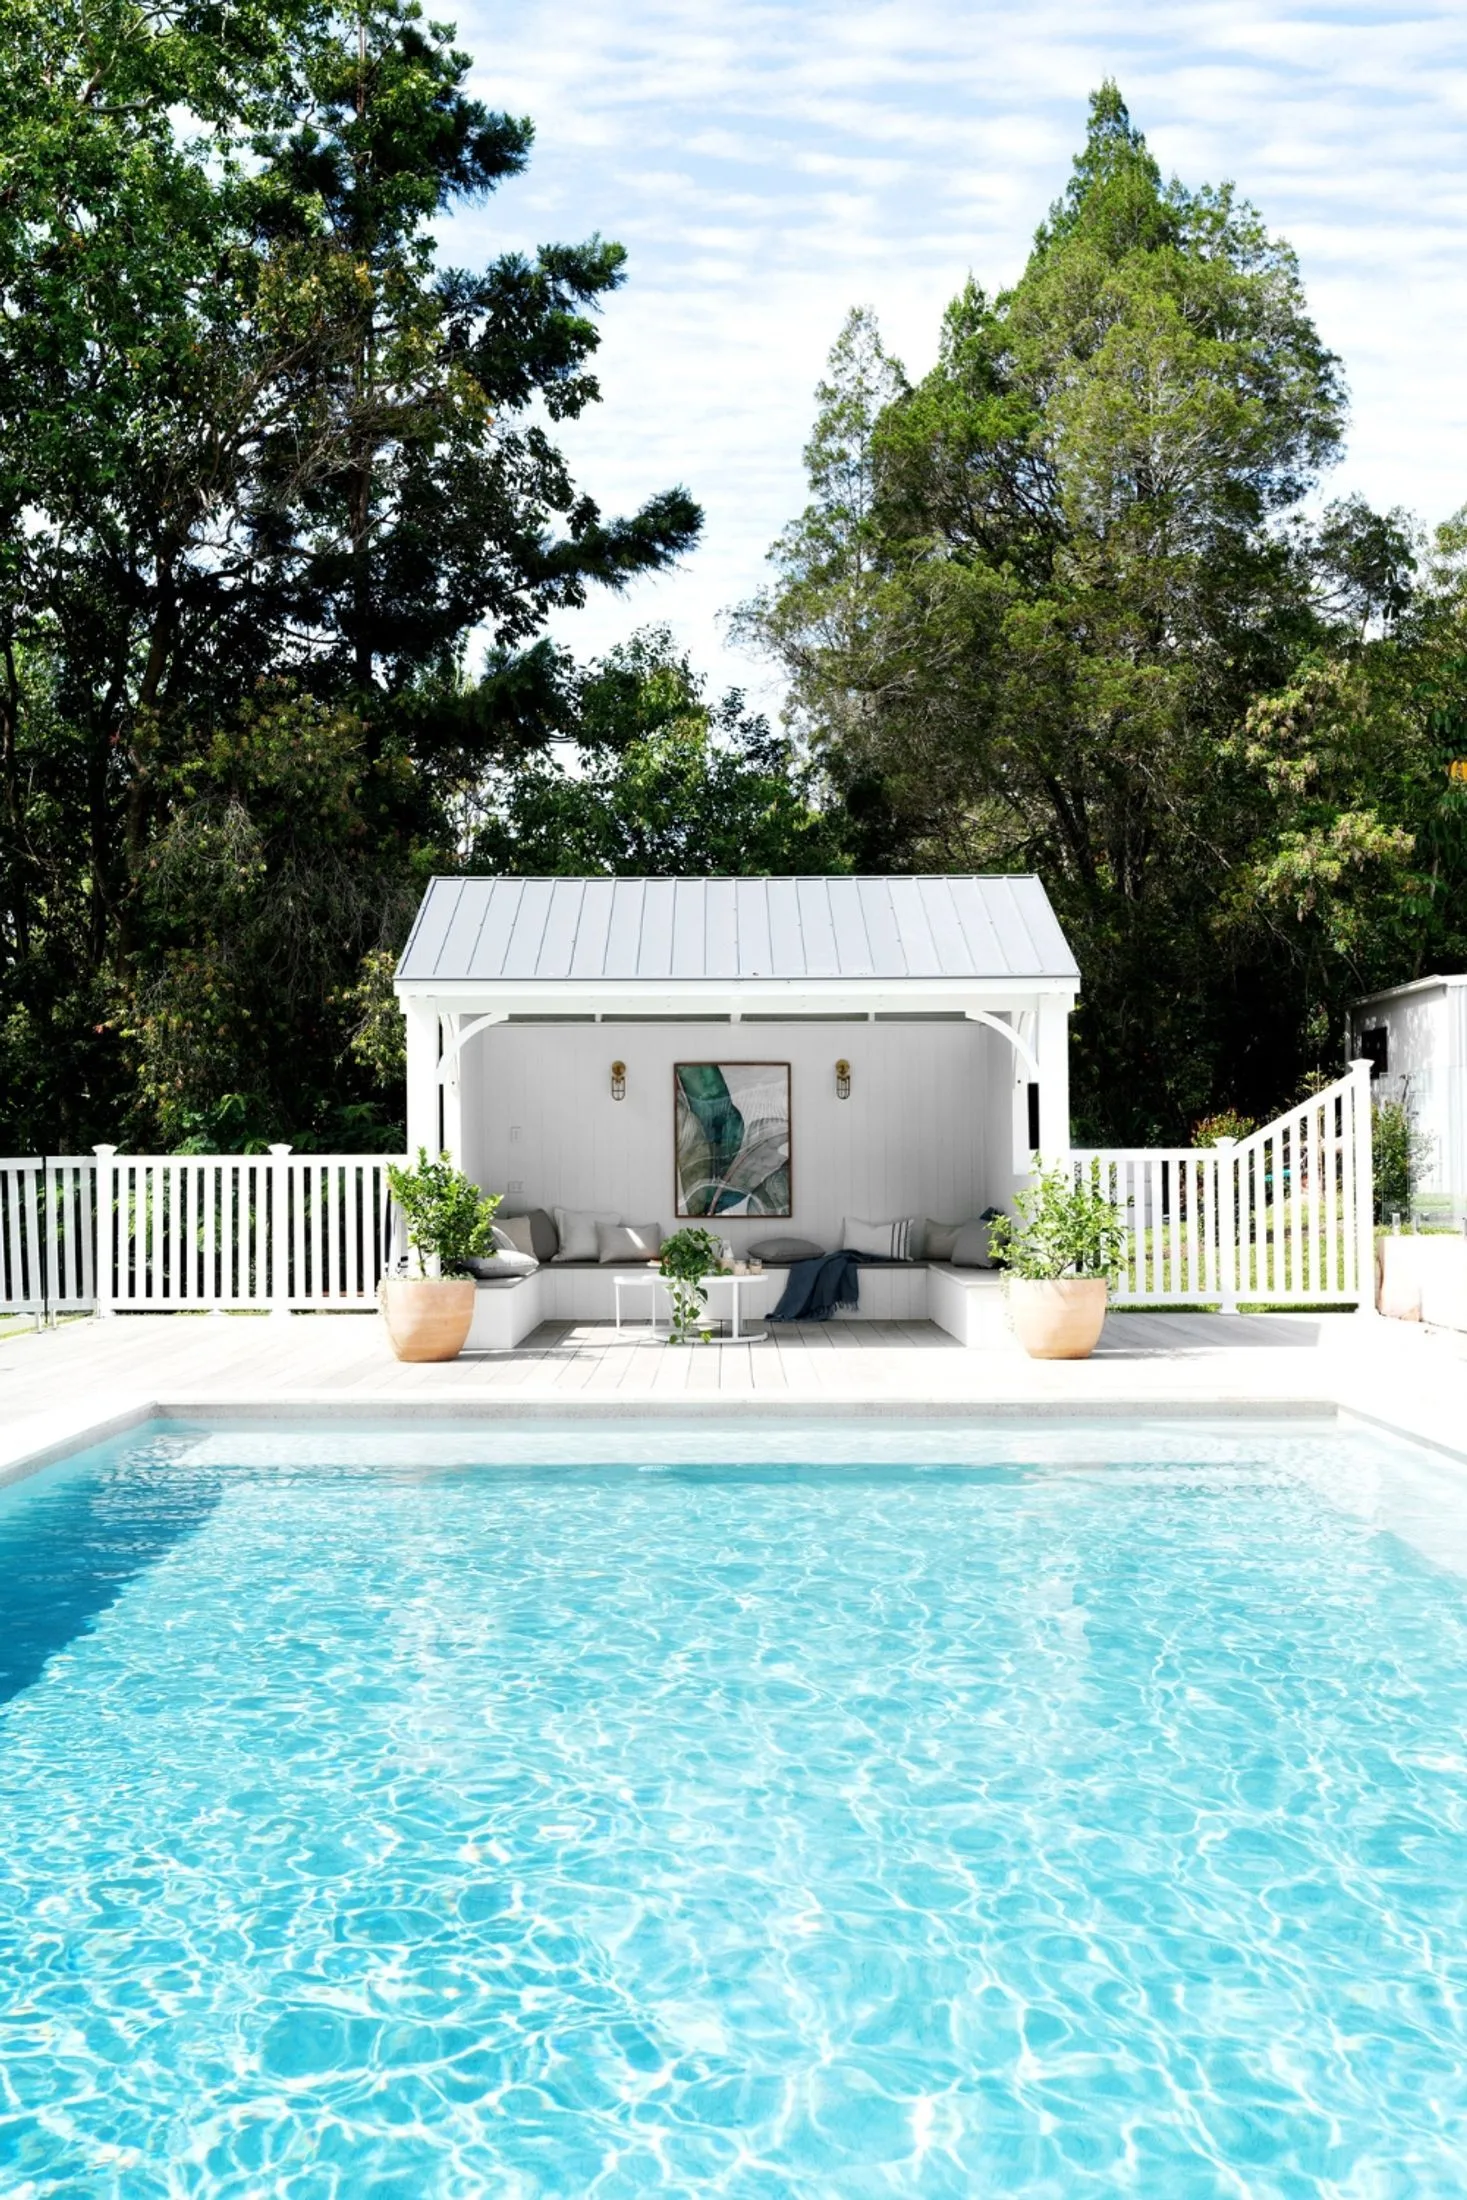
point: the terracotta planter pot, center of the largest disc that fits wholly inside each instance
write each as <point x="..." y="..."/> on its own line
<point x="1059" y="1319"/>
<point x="427" y="1318"/>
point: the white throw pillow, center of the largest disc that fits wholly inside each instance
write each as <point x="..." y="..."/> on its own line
<point x="576" y="1229"/>
<point x="888" y="1240"/>
<point x="510" y="1257"/>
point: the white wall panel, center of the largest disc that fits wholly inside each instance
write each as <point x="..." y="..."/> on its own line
<point x="925" y="1131"/>
<point x="1427" y="1039"/>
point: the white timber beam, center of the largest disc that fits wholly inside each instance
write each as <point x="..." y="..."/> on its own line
<point x="424" y="1092"/>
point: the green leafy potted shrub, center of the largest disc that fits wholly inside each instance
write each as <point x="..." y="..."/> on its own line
<point x="449" y="1222"/>
<point x="684" y="1260"/>
<point x="1061" y="1253"/>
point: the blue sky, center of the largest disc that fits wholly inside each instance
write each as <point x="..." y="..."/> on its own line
<point x="770" y="165"/>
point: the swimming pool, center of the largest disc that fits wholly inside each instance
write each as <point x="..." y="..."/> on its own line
<point x="816" y="1812"/>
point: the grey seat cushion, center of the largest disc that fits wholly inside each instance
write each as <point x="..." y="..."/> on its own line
<point x="780" y="1249"/>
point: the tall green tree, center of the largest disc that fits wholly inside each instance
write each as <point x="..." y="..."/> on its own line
<point x="250" y="430"/>
<point x="1076" y="567"/>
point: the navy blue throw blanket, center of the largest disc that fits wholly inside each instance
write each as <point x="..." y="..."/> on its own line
<point x="819" y="1288"/>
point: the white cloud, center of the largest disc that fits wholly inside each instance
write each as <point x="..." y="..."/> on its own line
<point x="770" y="165"/>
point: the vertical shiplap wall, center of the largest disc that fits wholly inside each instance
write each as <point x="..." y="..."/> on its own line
<point x="927" y="1129"/>
<point x="1420" y="1071"/>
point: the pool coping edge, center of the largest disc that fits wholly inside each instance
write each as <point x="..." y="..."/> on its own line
<point x="65" y="1435"/>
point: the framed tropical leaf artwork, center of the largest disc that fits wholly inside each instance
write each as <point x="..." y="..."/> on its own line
<point x="732" y="1126"/>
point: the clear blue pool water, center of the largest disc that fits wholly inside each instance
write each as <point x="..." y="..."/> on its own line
<point x="1050" y="1813"/>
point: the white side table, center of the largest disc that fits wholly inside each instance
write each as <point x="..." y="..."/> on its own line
<point x="640" y="1279"/>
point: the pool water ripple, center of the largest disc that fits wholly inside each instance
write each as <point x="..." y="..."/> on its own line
<point x="959" y="1829"/>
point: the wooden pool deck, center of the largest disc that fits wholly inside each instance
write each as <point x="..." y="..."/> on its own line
<point x="69" y="1385"/>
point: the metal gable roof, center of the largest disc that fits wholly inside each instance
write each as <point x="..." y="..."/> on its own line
<point x="734" y="931"/>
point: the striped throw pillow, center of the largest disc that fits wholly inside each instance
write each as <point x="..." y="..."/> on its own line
<point x="887" y="1240"/>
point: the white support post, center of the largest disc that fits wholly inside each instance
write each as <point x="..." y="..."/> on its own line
<point x="1362" y="1129"/>
<point x="1053" y="1050"/>
<point x="278" y="1242"/>
<point x="452" y="1117"/>
<point x="423" y="1128"/>
<point x="104" y="1192"/>
<point x="1226" y="1222"/>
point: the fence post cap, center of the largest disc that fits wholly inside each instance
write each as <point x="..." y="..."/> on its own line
<point x="1225" y="1141"/>
<point x="105" y="1151"/>
<point x="279" y="1150"/>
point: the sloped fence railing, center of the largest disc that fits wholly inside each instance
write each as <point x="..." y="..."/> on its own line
<point x="277" y="1232"/>
<point x="1282" y="1217"/>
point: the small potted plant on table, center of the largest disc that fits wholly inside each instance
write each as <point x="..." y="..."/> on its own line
<point x="449" y="1222"/>
<point x="1061" y="1253"/>
<point x="684" y="1260"/>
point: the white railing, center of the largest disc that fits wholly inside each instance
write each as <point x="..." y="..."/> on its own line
<point x="160" y="1233"/>
<point x="1283" y="1217"/>
<point x="47" y="1237"/>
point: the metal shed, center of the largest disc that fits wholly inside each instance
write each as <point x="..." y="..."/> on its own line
<point x="1415" y="1039"/>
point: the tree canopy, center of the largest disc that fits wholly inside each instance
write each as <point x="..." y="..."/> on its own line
<point x="265" y="467"/>
<point x="271" y="473"/>
<point x="1058" y="606"/>
<point x="659" y="783"/>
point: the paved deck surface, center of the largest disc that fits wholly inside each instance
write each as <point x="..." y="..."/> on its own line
<point x="61" y="1386"/>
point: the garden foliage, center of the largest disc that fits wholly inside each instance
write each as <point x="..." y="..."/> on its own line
<point x="1060" y="607"/>
<point x="271" y="471"/>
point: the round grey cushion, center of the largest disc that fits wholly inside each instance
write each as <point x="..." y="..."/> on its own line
<point x="506" y="1261"/>
<point x="786" y="1248"/>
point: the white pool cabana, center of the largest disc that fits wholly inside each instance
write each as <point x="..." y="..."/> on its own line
<point x="545" y="1018"/>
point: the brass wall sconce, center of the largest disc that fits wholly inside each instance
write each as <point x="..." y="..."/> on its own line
<point x="618" y="1080"/>
<point x="842" y="1079"/>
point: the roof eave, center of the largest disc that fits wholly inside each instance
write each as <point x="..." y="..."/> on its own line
<point x="601" y="995"/>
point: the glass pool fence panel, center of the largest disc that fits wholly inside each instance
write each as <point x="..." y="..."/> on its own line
<point x="47" y="1235"/>
<point x="1280" y="1218"/>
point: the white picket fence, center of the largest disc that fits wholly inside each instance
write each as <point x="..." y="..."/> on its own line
<point x="157" y="1233"/>
<point x="47" y="1234"/>
<point x="1283" y="1217"/>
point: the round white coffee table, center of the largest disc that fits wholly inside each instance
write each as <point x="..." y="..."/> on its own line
<point x="736" y="1286"/>
<point x="651" y="1280"/>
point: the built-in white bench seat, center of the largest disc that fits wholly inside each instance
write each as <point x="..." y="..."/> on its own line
<point x="967" y="1302"/>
